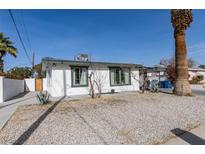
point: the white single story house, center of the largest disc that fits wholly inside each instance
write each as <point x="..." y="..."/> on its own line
<point x="194" y="72"/>
<point x="71" y="77"/>
<point x="156" y="72"/>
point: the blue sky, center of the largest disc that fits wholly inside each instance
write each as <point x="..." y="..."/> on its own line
<point x="133" y="36"/>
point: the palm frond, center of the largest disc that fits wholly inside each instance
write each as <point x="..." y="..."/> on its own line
<point x="6" y="46"/>
<point x="2" y="53"/>
<point x="12" y="51"/>
<point x="1" y="35"/>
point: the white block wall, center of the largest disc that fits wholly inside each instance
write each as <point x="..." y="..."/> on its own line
<point x="10" y="88"/>
<point x="44" y="84"/>
<point x="29" y="84"/>
<point x="59" y="81"/>
<point x="1" y="89"/>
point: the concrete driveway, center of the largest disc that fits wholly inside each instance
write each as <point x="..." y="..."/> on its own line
<point x="8" y="108"/>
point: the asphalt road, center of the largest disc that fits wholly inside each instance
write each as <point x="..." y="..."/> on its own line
<point x="198" y="92"/>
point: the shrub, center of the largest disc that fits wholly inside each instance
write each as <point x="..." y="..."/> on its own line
<point x="196" y="79"/>
<point x="43" y="97"/>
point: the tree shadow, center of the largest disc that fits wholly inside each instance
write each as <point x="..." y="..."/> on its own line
<point x="19" y="95"/>
<point x="16" y="102"/>
<point x="24" y="137"/>
<point x="188" y="137"/>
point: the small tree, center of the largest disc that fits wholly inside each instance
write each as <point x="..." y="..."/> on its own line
<point x="142" y="81"/>
<point x="19" y="72"/>
<point x="38" y="69"/>
<point x="202" y="66"/>
<point x="191" y="63"/>
<point x="170" y="67"/>
<point x="97" y="82"/>
<point x="91" y="82"/>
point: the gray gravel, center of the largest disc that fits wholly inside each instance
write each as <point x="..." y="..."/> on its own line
<point x="128" y="118"/>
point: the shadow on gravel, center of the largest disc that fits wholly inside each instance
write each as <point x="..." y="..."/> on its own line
<point x="87" y="123"/>
<point x="35" y="125"/>
<point x="1" y="107"/>
<point x="188" y="137"/>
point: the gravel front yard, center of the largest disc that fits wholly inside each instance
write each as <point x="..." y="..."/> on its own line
<point x="129" y="118"/>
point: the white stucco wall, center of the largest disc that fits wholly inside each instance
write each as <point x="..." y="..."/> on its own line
<point x="59" y="81"/>
<point x="44" y="84"/>
<point x="29" y="84"/>
<point x="1" y="89"/>
<point x="10" y="88"/>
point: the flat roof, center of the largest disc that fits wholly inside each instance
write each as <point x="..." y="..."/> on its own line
<point x="196" y="69"/>
<point x="155" y="69"/>
<point x="87" y="63"/>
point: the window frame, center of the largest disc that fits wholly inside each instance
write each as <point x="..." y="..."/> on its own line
<point x="72" y="82"/>
<point x="121" y="68"/>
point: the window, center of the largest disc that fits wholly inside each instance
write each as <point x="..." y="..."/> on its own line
<point x="119" y="76"/>
<point x="79" y="76"/>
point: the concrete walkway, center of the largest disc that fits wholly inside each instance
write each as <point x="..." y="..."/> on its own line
<point x="195" y="136"/>
<point x="8" y="108"/>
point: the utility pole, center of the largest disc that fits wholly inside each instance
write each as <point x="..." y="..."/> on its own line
<point x="33" y="63"/>
<point x="33" y="60"/>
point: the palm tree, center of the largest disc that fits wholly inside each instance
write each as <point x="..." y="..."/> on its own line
<point x="6" y="46"/>
<point x="181" y="19"/>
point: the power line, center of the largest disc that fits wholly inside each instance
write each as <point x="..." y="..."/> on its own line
<point x="197" y="52"/>
<point x="26" y="31"/>
<point x="12" y="17"/>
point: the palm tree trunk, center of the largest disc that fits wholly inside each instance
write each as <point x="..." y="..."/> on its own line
<point x="1" y="65"/>
<point x="182" y="86"/>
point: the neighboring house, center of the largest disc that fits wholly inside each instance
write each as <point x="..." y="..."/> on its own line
<point x="156" y="73"/>
<point x="194" y="72"/>
<point x="68" y="77"/>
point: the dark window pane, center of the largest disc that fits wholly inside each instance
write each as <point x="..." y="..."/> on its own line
<point x="79" y="76"/>
<point x="117" y="76"/>
<point x="120" y="76"/>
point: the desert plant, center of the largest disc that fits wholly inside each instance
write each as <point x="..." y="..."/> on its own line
<point x="154" y="86"/>
<point x="43" y="97"/>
